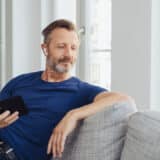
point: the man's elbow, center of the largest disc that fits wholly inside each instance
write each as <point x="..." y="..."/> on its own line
<point x="123" y="97"/>
<point x="115" y="96"/>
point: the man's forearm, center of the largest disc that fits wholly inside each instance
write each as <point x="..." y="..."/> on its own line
<point x="100" y="102"/>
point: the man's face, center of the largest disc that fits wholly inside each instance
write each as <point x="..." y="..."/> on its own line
<point x="61" y="50"/>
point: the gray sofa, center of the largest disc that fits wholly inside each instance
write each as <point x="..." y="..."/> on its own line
<point x="118" y="132"/>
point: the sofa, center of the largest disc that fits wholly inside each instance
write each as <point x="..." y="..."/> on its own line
<point x="118" y="132"/>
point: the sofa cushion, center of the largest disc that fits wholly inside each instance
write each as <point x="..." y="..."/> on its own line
<point x="143" y="137"/>
<point x="100" y="136"/>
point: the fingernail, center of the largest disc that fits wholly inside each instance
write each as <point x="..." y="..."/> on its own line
<point x="7" y="111"/>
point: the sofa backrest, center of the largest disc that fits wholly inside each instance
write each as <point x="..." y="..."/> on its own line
<point x="143" y="137"/>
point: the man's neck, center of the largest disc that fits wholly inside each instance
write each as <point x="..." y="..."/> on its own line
<point x="52" y="76"/>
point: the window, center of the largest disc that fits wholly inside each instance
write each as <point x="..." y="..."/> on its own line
<point x="95" y="51"/>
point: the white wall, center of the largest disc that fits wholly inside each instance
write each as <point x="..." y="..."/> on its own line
<point x="66" y="9"/>
<point x="155" y="78"/>
<point x="26" y="36"/>
<point x="131" y="49"/>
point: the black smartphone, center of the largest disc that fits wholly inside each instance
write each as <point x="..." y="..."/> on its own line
<point x="13" y="104"/>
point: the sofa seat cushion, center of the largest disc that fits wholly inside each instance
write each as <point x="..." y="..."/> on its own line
<point x="143" y="137"/>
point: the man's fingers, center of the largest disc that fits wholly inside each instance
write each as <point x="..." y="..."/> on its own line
<point x="6" y="118"/>
<point x="59" y="144"/>
<point x="12" y="120"/>
<point x="52" y="145"/>
<point x="63" y="143"/>
<point x="4" y="115"/>
<point x="54" y="141"/>
<point x="56" y="144"/>
<point x="12" y="117"/>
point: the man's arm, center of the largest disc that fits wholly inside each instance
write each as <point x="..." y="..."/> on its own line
<point x="100" y="102"/>
<point x="70" y="120"/>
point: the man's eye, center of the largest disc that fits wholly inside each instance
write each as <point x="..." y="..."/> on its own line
<point x="74" y="48"/>
<point x="60" y="46"/>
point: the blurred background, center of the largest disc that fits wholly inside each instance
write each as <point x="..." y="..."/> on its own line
<point x="119" y="49"/>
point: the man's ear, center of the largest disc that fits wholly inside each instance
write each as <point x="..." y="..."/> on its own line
<point x="44" y="49"/>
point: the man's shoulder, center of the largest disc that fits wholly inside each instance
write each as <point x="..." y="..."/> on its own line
<point x="22" y="78"/>
<point x="26" y="75"/>
<point x="89" y="90"/>
<point x="88" y="85"/>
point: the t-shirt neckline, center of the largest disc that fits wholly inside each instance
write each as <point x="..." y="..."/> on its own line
<point x="54" y="83"/>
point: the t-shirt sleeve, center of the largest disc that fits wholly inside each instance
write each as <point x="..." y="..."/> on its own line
<point x="6" y="91"/>
<point x="93" y="91"/>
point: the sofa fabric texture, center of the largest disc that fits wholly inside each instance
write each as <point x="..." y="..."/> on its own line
<point x="143" y="137"/>
<point x="100" y="136"/>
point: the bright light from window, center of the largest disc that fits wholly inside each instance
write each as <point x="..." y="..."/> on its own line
<point x="100" y="42"/>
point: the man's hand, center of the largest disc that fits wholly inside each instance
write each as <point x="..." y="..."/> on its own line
<point x="60" y="133"/>
<point x="6" y="118"/>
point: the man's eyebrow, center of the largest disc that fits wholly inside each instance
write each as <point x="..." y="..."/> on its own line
<point x="63" y="43"/>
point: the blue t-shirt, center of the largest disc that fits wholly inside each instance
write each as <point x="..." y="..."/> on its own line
<point x="47" y="102"/>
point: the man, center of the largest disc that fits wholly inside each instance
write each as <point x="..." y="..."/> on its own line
<point x="56" y="101"/>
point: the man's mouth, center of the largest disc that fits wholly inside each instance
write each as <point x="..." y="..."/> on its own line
<point x="65" y="60"/>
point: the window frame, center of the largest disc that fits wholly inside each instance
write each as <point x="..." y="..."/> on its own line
<point x="5" y="41"/>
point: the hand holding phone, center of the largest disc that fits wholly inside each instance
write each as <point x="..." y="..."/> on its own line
<point x="6" y="118"/>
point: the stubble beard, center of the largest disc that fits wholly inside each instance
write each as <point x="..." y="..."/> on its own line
<point x="59" y="66"/>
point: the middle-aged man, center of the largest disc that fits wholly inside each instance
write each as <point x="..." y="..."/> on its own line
<point x="56" y="100"/>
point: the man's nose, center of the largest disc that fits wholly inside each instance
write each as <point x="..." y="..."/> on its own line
<point x="68" y="51"/>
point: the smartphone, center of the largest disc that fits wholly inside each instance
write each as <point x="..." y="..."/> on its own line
<point x="13" y="104"/>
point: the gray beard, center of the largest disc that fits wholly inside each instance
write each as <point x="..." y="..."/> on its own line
<point x="60" y="69"/>
<point x="57" y="67"/>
